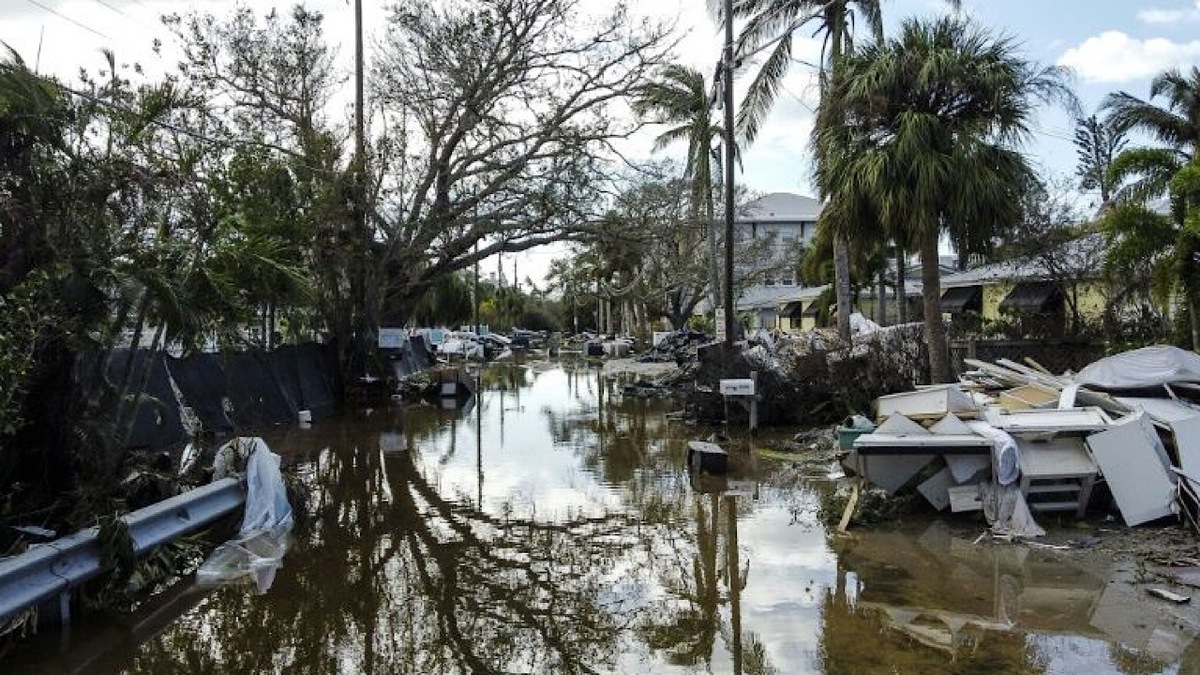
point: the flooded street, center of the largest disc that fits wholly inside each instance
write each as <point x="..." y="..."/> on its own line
<point x="552" y="529"/>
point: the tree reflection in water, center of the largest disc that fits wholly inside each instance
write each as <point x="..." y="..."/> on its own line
<point x="401" y="569"/>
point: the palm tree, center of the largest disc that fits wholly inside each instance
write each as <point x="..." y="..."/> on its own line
<point x="776" y="21"/>
<point x="680" y="98"/>
<point x="933" y="118"/>
<point x="1169" y="169"/>
<point x="1177" y="126"/>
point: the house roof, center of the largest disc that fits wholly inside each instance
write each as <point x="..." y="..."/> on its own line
<point x="779" y="207"/>
<point x="763" y="297"/>
<point x="1078" y="254"/>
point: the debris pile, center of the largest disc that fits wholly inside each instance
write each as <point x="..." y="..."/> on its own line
<point x="1014" y="439"/>
<point x="678" y="347"/>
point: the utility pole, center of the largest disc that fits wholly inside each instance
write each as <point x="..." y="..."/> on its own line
<point x="727" y="75"/>
<point x="359" y="136"/>
<point x="475" y="291"/>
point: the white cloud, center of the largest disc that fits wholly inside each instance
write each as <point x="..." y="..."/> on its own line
<point x="1113" y="57"/>
<point x="1167" y="16"/>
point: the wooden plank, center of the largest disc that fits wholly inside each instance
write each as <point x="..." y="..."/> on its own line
<point x="850" y="504"/>
<point x="1028" y="396"/>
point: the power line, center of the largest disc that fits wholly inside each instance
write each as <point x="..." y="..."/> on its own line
<point x="115" y="9"/>
<point x="67" y="18"/>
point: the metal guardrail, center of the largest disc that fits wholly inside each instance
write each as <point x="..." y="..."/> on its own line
<point x="48" y="572"/>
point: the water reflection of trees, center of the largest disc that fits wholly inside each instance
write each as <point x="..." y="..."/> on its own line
<point x="392" y="575"/>
<point x="395" y="578"/>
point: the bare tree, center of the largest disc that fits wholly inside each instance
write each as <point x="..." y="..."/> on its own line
<point x="500" y="117"/>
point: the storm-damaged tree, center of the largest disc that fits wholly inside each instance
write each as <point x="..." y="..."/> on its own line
<point x="680" y="97"/>
<point x="652" y="254"/>
<point x="499" y="119"/>
<point x="771" y="26"/>
<point x="1097" y="143"/>
<point x="108" y="245"/>
<point x="937" y="114"/>
<point x="261" y="89"/>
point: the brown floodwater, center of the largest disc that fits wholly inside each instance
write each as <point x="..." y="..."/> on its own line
<point x="550" y="527"/>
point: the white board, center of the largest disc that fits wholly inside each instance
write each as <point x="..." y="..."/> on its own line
<point x="1133" y="462"/>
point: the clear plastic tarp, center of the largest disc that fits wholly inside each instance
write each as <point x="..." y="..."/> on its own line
<point x="256" y="553"/>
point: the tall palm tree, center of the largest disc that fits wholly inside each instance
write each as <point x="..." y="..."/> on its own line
<point x="934" y="117"/>
<point x="1168" y="169"/>
<point x="680" y="98"/>
<point x="776" y="22"/>
<point x="1176" y="126"/>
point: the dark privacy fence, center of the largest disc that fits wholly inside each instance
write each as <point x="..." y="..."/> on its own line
<point x="230" y="392"/>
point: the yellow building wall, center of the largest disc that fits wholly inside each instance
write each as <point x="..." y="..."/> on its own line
<point x="1092" y="299"/>
<point x="993" y="295"/>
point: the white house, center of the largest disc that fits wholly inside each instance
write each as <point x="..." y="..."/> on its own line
<point x="785" y="219"/>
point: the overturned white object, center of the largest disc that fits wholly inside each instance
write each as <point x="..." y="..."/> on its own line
<point x="930" y="402"/>
<point x="1136" y="468"/>
<point x="257" y="552"/>
<point x="1145" y="367"/>
<point x="1183" y="419"/>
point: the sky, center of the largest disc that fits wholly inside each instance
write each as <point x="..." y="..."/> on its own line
<point x="1110" y="45"/>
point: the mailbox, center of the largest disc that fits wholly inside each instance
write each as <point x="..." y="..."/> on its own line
<point x="737" y="387"/>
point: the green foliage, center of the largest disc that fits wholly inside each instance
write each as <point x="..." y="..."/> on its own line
<point x="24" y="319"/>
<point x="917" y="138"/>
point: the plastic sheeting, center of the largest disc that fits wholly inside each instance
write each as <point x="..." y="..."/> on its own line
<point x="1145" y="367"/>
<point x="1007" y="512"/>
<point x="1004" y="450"/>
<point x="256" y="553"/>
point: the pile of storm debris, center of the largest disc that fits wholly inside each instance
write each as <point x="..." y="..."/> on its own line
<point x="805" y="378"/>
<point x="1013" y="439"/>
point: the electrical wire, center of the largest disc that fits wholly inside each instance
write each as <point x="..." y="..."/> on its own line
<point x="69" y="19"/>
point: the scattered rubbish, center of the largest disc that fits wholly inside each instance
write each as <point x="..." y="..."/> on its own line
<point x="257" y="552"/>
<point x="706" y="457"/>
<point x="1017" y="439"/>
<point x="1168" y="595"/>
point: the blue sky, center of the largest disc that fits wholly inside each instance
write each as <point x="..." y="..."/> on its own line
<point x="1110" y="44"/>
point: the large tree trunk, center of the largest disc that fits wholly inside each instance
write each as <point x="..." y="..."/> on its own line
<point x="841" y="248"/>
<point x="901" y="286"/>
<point x="931" y="294"/>
<point x="841" y="275"/>
<point x="882" y="305"/>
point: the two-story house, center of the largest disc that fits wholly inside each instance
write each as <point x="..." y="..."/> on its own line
<point x="771" y="229"/>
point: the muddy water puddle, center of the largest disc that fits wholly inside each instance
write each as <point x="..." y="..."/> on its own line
<point x="549" y="527"/>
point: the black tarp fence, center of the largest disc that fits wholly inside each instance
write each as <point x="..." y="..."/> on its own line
<point x="413" y="358"/>
<point x="157" y="423"/>
<point x="230" y="392"/>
